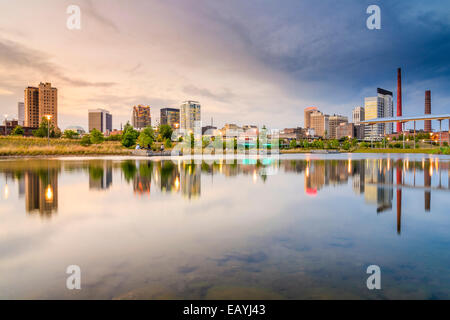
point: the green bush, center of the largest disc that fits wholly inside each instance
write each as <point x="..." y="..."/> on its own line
<point x="18" y="131"/>
<point x="70" y="134"/>
<point x="129" y="136"/>
<point x="146" y="137"/>
<point x="293" y="144"/>
<point x="168" y="143"/>
<point x="96" y="136"/>
<point x="86" y="140"/>
<point x="165" y="131"/>
<point x="346" y="145"/>
<point x="114" y="137"/>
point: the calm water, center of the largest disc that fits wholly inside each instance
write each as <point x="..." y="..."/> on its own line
<point x="300" y="227"/>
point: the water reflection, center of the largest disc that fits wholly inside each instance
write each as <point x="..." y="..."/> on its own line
<point x="374" y="178"/>
<point x="38" y="185"/>
<point x="152" y="229"/>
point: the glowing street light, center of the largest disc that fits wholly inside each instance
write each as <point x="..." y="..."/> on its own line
<point x="48" y="128"/>
<point x="49" y="194"/>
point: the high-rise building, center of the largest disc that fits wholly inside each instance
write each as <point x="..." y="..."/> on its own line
<point x="190" y="116"/>
<point x="346" y="130"/>
<point x="427" y="126"/>
<point x="141" y="117"/>
<point x="358" y="115"/>
<point x="307" y="116"/>
<point x="48" y="102"/>
<point x="171" y="117"/>
<point x="319" y="122"/>
<point x="380" y="106"/>
<point x="31" y="105"/>
<point x="21" y="113"/>
<point x="101" y="120"/>
<point x="40" y="102"/>
<point x="334" y="122"/>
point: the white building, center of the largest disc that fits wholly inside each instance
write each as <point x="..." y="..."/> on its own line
<point x="380" y="106"/>
<point x="190" y="116"/>
<point x="358" y="115"/>
<point x="21" y="113"/>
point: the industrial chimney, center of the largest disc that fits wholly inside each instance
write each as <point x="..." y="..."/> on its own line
<point x="427" y="126"/>
<point x="399" y="98"/>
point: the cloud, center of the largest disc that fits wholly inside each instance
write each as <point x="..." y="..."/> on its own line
<point x="91" y="11"/>
<point x="15" y="55"/>
<point x="225" y="96"/>
<point x="5" y="92"/>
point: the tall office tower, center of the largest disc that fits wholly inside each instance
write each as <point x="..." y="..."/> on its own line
<point x="48" y="103"/>
<point x="388" y="108"/>
<point x="380" y="106"/>
<point x="428" y="110"/>
<point x="320" y="123"/>
<point x="190" y="116"/>
<point x="170" y="116"/>
<point x="358" y="115"/>
<point x="101" y="120"/>
<point x="399" y="98"/>
<point x="40" y="102"/>
<point x="307" y="116"/>
<point x="31" y="105"/>
<point x="334" y="122"/>
<point x="141" y="117"/>
<point x="21" y="113"/>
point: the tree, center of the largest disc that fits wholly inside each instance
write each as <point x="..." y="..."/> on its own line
<point x="165" y="131"/>
<point x="43" y="130"/>
<point x="70" y="134"/>
<point x="129" y="136"/>
<point x="334" y="144"/>
<point x="293" y="144"/>
<point x="96" y="136"/>
<point x="18" y="131"/>
<point x="346" y="145"/>
<point x="86" y="140"/>
<point x="168" y="144"/>
<point x="146" y="137"/>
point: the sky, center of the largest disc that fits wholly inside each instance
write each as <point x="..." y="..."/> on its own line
<point x="246" y="61"/>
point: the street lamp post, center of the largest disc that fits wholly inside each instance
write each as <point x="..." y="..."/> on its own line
<point x="48" y="129"/>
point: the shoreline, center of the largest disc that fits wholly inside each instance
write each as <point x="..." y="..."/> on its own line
<point x="126" y="153"/>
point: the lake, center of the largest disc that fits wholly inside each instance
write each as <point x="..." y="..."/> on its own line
<point x="293" y="227"/>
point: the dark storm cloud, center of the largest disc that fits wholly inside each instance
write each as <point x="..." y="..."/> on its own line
<point x="327" y="42"/>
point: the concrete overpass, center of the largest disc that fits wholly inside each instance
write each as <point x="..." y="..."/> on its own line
<point x="405" y="119"/>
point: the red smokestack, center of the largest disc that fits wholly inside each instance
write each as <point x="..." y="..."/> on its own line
<point x="399" y="98"/>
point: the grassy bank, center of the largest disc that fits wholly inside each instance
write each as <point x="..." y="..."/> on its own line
<point x="375" y="150"/>
<point x="30" y="146"/>
<point x="423" y="151"/>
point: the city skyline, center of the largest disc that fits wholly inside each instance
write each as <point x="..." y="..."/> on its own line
<point x="262" y="73"/>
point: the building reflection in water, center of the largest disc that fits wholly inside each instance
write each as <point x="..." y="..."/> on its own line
<point x="37" y="183"/>
<point x="100" y="175"/>
<point x="41" y="191"/>
<point x="373" y="178"/>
